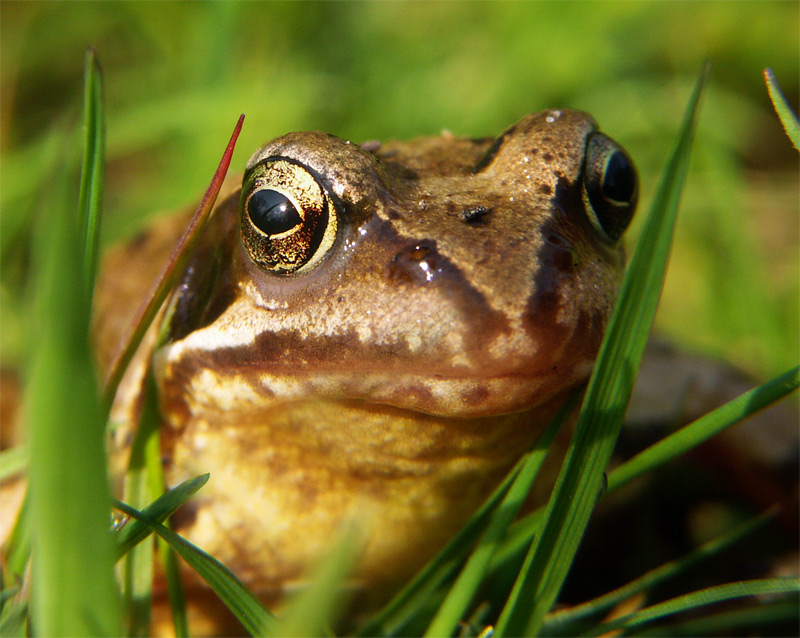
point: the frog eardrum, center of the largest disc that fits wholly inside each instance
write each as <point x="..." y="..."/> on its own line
<point x="610" y="187"/>
<point x="287" y="220"/>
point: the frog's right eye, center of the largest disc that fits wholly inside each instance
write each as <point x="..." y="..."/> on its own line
<point x="610" y="186"/>
<point x="287" y="220"/>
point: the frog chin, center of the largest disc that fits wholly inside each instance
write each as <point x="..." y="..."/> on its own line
<point x="285" y="481"/>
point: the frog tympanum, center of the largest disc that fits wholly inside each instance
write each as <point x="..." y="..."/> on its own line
<point x="375" y="334"/>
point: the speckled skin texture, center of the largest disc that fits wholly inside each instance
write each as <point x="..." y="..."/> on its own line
<point x="395" y="382"/>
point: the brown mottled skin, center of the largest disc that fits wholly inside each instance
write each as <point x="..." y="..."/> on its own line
<point x="394" y="381"/>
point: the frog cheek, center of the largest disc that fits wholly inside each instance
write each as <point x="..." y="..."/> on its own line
<point x="610" y="187"/>
<point x="287" y="221"/>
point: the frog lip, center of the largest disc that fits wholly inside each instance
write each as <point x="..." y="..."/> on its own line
<point x="441" y="392"/>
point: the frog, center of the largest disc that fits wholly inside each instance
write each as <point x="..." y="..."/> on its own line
<point x="372" y="335"/>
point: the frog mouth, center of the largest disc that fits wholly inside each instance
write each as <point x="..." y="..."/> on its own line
<point x="236" y="380"/>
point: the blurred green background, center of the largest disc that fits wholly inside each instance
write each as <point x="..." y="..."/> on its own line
<point x="178" y="74"/>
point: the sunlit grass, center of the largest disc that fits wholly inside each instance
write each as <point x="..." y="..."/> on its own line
<point x="72" y="579"/>
<point x="581" y="481"/>
<point x="789" y="120"/>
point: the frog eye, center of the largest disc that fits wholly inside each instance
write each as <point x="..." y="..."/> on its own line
<point x="287" y="220"/>
<point x="610" y="186"/>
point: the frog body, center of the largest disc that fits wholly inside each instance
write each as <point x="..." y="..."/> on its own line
<point x="374" y="334"/>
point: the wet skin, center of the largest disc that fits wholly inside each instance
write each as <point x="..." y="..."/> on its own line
<point x="375" y="334"/>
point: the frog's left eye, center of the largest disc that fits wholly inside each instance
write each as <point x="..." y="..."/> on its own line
<point x="610" y="186"/>
<point x="287" y="220"/>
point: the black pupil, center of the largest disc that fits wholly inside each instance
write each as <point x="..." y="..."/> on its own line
<point x="271" y="212"/>
<point x="618" y="182"/>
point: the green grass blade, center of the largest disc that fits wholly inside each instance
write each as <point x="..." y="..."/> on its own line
<point x="74" y="591"/>
<point x="517" y="540"/>
<point x="789" y="120"/>
<point x="136" y="531"/>
<point x="396" y="615"/>
<point x="19" y="544"/>
<point x="169" y="274"/>
<point x="704" y="428"/>
<point x="728" y="623"/>
<point x="694" y="600"/>
<point x="175" y="590"/>
<point x="581" y="479"/>
<point x="460" y="595"/>
<point x="413" y="600"/>
<point x="555" y="622"/>
<point x="137" y="588"/>
<point x="90" y="198"/>
<point x="244" y="605"/>
<point x="145" y="481"/>
<point x="13" y="602"/>
<point x="688" y="437"/>
<point x="13" y="461"/>
<point x="138" y="568"/>
<point x="311" y="611"/>
<point x="14" y="621"/>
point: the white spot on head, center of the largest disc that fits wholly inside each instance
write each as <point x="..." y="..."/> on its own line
<point x="552" y="116"/>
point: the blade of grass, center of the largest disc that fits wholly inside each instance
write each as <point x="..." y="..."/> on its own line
<point x="694" y="600"/>
<point x="175" y="590"/>
<point x="74" y="591"/>
<point x="155" y="479"/>
<point x="731" y="622"/>
<point x="704" y="428"/>
<point x="311" y="611"/>
<point x="412" y="599"/>
<point x="135" y="531"/>
<point x="557" y="621"/>
<point x="144" y="481"/>
<point x="460" y="595"/>
<point x="7" y="594"/>
<point x="677" y="443"/>
<point x="14" y="621"/>
<point x="403" y="607"/>
<point x="90" y="198"/>
<point x="581" y="479"/>
<point x="12" y="461"/>
<point x="789" y="120"/>
<point x="244" y="605"/>
<point x="137" y="569"/>
<point x="168" y="275"/>
<point x="19" y="544"/>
